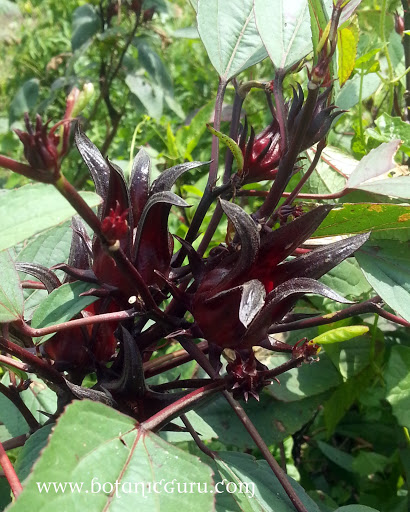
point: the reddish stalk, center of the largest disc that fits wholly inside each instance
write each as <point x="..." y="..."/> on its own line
<point x="9" y="473"/>
<point x="71" y="324"/>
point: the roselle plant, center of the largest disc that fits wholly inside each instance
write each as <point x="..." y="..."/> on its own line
<point x="130" y="289"/>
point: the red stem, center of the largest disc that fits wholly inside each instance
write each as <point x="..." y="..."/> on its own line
<point x="9" y="473"/>
<point x="79" y="322"/>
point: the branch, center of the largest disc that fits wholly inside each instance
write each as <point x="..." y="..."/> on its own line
<point x="71" y="324"/>
<point x="15" y="442"/>
<point x="39" y="366"/>
<point x="270" y="459"/>
<point x="372" y="305"/>
<point x="9" y="473"/>
<point x="13" y="395"/>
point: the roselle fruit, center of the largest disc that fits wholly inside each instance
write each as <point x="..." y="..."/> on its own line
<point x="263" y="152"/>
<point x="252" y="287"/>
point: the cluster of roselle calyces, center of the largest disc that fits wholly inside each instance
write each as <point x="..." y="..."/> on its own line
<point x="234" y="296"/>
<point x="263" y="152"/>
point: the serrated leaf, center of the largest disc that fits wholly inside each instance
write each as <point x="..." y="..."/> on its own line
<point x="137" y="460"/>
<point x="387" y="268"/>
<point x="47" y="209"/>
<point x="61" y="306"/>
<point x="351" y="218"/>
<point x="11" y="293"/>
<point x="284" y="27"/>
<point x="347" y="48"/>
<point x="227" y="29"/>
<point x="340" y="334"/>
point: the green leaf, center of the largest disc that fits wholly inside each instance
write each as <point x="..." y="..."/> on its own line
<point x="31" y="451"/>
<point x="350" y="357"/>
<point x="231" y="144"/>
<point x="356" y="508"/>
<point x="251" y="485"/>
<point x="11" y="293"/>
<point x="188" y="137"/>
<point x="97" y="446"/>
<point x="47" y="209"/>
<point x="347" y="40"/>
<point x="305" y="381"/>
<point x="340" y="334"/>
<point x="379" y="161"/>
<point x="325" y="179"/>
<point x="351" y="218"/>
<point x="395" y="187"/>
<point x="24" y="100"/>
<point x="389" y="128"/>
<point x="150" y="95"/>
<point x="274" y="419"/>
<point x="343" y="398"/>
<point x="369" y="463"/>
<point x="342" y="459"/>
<point x="397" y="376"/>
<point x="85" y="25"/>
<point x="228" y="31"/>
<point x="387" y="268"/>
<point x="349" y="95"/>
<point x="47" y="249"/>
<point x="284" y="27"/>
<point x="153" y="64"/>
<point x="348" y="280"/>
<point x="61" y="305"/>
<point x="39" y="397"/>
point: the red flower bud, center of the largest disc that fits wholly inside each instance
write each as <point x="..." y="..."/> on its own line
<point x="115" y="225"/>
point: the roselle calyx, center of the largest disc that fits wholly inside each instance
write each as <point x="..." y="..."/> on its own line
<point x="263" y="152"/>
<point x="252" y="288"/>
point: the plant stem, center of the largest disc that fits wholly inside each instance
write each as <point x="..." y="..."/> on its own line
<point x="280" y="110"/>
<point x="9" y="473"/>
<point x="264" y="193"/>
<point x="41" y="367"/>
<point x="18" y="365"/>
<point x="288" y="161"/>
<point x="201" y="445"/>
<point x="406" y="46"/>
<point x="123" y="263"/>
<point x="15" y="442"/>
<point x="393" y="318"/>
<point x="382" y="29"/>
<point x="13" y="395"/>
<point x="270" y="459"/>
<point x="321" y="146"/>
<point x="372" y="305"/>
<point x="172" y="360"/>
<point x="181" y="405"/>
<point x="71" y="324"/>
<point x="213" y="168"/>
